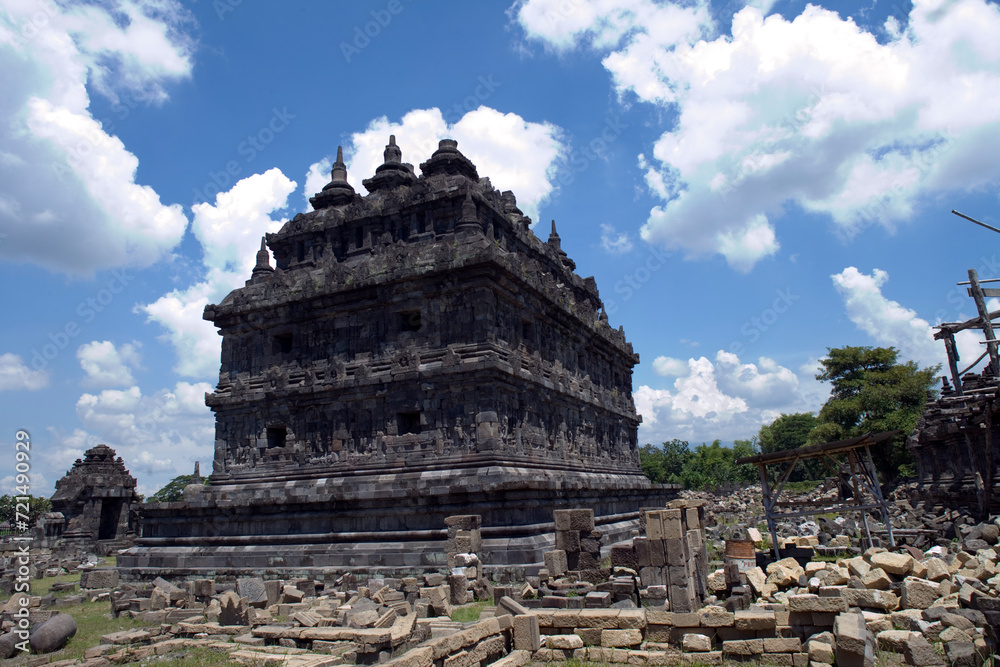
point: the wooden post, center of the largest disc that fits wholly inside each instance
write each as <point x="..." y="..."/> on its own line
<point x="765" y="492"/>
<point x="952" y="350"/>
<point x="984" y="317"/>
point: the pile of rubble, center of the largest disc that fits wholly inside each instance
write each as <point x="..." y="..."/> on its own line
<point x="355" y="622"/>
<point x="651" y="600"/>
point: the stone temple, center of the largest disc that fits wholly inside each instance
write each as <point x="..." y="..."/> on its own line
<point x="92" y="505"/>
<point x="415" y="353"/>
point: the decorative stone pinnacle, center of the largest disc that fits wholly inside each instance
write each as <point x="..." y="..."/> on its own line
<point x="339" y="173"/>
<point x="338" y="191"/>
<point x="392" y="153"/>
<point x="470" y="216"/>
<point x="554" y="239"/>
<point x="263" y="260"/>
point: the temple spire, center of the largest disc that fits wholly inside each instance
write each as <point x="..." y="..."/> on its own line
<point x="393" y="172"/>
<point x="338" y="191"/>
<point x="554" y="239"/>
<point x="263" y="260"/>
<point x="392" y="154"/>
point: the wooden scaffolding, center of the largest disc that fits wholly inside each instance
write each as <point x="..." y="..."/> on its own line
<point x="849" y="460"/>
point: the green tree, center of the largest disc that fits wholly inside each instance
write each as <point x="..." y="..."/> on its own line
<point x="789" y="432"/>
<point x="36" y="507"/>
<point x="173" y="491"/>
<point x="873" y="392"/>
<point x="666" y="463"/>
<point x="714" y="464"/>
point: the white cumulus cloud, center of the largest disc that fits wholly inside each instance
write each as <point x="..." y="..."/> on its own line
<point x="516" y="154"/>
<point x="66" y="182"/>
<point x="891" y="324"/>
<point x="16" y="376"/>
<point x="108" y="366"/>
<point x="229" y="231"/>
<point x="159" y="436"/>
<point x="615" y="242"/>
<point x="813" y="111"/>
<point x="722" y="398"/>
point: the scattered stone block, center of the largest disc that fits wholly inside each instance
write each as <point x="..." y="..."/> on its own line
<point x="854" y="645"/>
<point x="696" y="642"/>
<point x="621" y="638"/>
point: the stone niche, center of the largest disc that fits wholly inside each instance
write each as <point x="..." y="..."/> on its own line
<point x="92" y="504"/>
<point x="412" y="354"/>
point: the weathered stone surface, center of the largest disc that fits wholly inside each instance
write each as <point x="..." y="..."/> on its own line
<point x="696" y="642"/>
<point x="381" y="362"/>
<point x="92" y="502"/>
<point x="621" y="638"/>
<point x="743" y="647"/>
<point x="99" y="578"/>
<point x="918" y="651"/>
<point x="565" y="642"/>
<point x="53" y="634"/>
<point x="754" y="619"/>
<point x="8" y="645"/>
<point x="254" y="590"/>
<point x="854" y="644"/>
<point x="870" y="599"/>
<point x="234" y="609"/>
<point x="918" y="593"/>
<point x="814" y="604"/>
<point x="526" y="632"/>
<point x="893" y="563"/>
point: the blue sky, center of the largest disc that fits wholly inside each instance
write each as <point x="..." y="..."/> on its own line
<point x="749" y="184"/>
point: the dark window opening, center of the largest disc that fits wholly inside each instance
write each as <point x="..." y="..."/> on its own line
<point x="409" y="320"/>
<point x="300" y="251"/>
<point x="359" y="238"/>
<point x="421" y="223"/>
<point x="527" y="331"/>
<point x="276" y="436"/>
<point x="282" y="344"/>
<point x="408" y="423"/>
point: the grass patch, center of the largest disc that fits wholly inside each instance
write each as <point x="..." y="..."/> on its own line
<point x="805" y="486"/>
<point x="93" y="619"/>
<point x="469" y="612"/>
<point x="196" y="656"/>
<point x="821" y="558"/>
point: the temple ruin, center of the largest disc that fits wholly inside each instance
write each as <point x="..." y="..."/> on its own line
<point x="414" y="353"/>
<point x="92" y="505"/>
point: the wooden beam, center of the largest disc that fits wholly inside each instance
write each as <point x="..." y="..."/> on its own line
<point x="984" y="317"/>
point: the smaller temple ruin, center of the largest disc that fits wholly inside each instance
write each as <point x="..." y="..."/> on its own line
<point x="92" y="504"/>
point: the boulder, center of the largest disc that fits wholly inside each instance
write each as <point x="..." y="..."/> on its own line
<point x="53" y="634"/>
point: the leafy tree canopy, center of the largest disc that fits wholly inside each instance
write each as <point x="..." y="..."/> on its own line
<point x="173" y="491"/>
<point x="676" y="463"/>
<point x="37" y="506"/>
<point x="872" y="392"/>
<point x="788" y="432"/>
